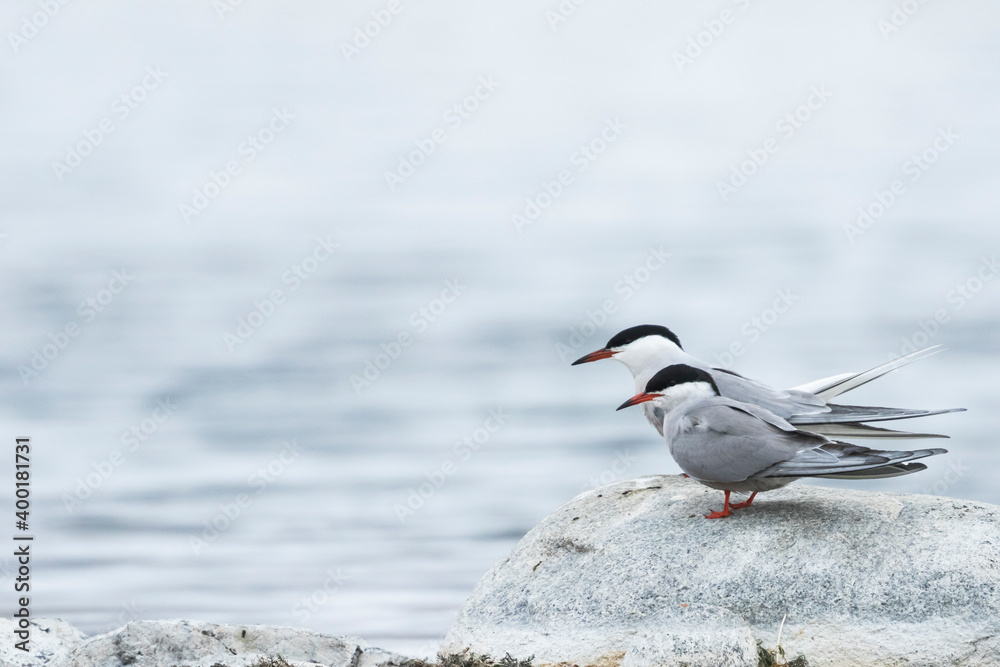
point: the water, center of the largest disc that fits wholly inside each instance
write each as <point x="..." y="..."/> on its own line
<point x="314" y="477"/>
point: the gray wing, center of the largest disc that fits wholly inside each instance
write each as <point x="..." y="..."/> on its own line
<point x="847" y="461"/>
<point x="784" y="403"/>
<point x="806" y="408"/>
<point x="883" y="472"/>
<point x="853" y="430"/>
<point x="849" y="414"/>
<point x="720" y="441"/>
<point x="655" y="416"/>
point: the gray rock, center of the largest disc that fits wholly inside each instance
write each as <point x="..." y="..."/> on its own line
<point x="378" y="657"/>
<point x="51" y="642"/>
<point x="631" y="574"/>
<point x="188" y="643"/>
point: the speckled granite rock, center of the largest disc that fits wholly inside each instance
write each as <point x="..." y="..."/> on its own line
<point x="52" y="641"/>
<point x="630" y="573"/>
<point x="188" y="643"/>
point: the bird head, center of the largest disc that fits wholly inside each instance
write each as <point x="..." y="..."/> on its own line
<point x="636" y="347"/>
<point x="674" y="385"/>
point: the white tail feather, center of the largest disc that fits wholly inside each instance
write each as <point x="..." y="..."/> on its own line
<point x="841" y="384"/>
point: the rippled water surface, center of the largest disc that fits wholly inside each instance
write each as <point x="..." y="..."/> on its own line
<point x="353" y="453"/>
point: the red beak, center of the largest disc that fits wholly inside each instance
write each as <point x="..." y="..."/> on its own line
<point x="636" y="400"/>
<point x="594" y="356"/>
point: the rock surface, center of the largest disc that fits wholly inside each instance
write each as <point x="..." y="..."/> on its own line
<point x="631" y="574"/>
<point x="52" y="642"/>
<point x="189" y="643"/>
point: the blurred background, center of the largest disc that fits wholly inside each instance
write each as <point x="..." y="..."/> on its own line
<point x="290" y="290"/>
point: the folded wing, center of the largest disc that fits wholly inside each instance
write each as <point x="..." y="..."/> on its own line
<point x="725" y="441"/>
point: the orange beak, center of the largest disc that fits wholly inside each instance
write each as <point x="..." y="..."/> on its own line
<point x="637" y="399"/>
<point x="594" y="356"/>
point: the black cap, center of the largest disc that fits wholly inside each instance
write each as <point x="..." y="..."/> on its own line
<point x="635" y="333"/>
<point x="671" y="376"/>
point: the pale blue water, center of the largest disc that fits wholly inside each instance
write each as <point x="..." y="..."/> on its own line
<point x="320" y="533"/>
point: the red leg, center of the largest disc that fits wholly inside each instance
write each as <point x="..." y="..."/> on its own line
<point x="745" y="503"/>
<point x="724" y="513"/>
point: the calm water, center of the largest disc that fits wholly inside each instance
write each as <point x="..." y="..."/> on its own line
<point x="200" y="447"/>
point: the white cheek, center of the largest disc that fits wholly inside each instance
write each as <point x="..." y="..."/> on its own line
<point x="649" y="352"/>
<point x="685" y="392"/>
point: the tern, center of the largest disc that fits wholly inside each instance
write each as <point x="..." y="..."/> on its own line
<point x="647" y="348"/>
<point x="733" y="446"/>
